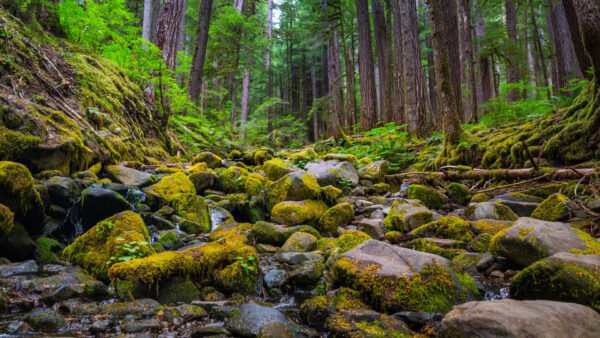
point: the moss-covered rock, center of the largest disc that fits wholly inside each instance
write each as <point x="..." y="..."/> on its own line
<point x="304" y="155"/>
<point x="562" y="277"/>
<point x="467" y="260"/>
<point x="255" y="184"/>
<point x="299" y="242"/>
<point x="406" y="215"/>
<point x="17" y="192"/>
<point x="298" y="212"/>
<point x="375" y="171"/>
<point x="480" y="197"/>
<point x="556" y="207"/>
<point x="481" y="243"/>
<point x="276" y="169"/>
<point x="47" y="250"/>
<point x="395" y="237"/>
<point x="490" y="210"/>
<point x="336" y="216"/>
<point x="316" y="310"/>
<point x="366" y="323"/>
<point x="340" y="157"/>
<point x="130" y="176"/>
<point x="211" y="160"/>
<point x="490" y="226"/>
<point x="7" y="219"/>
<point x="170" y="241"/>
<point x="427" y="245"/>
<point x="233" y="179"/>
<point x="16" y="244"/>
<point x="240" y="276"/>
<point x="105" y="243"/>
<point x="431" y="198"/>
<point x="459" y="193"/>
<point x="272" y="234"/>
<point x="350" y="239"/>
<point x="330" y="194"/>
<point x="260" y="156"/>
<point x="293" y="187"/>
<point x="193" y="208"/>
<point x="530" y="239"/>
<point x="204" y="180"/>
<point x="393" y="279"/>
<point x="162" y="192"/>
<point x="451" y="227"/>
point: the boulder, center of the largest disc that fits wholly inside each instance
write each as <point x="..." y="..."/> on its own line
<point x="562" y="277"/>
<point x="211" y="160"/>
<point x="513" y="318"/>
<point x="252" y="317"/>
<point x="15" y="269"/>
<point x="459" y="193"/>
<point x="366" y="323"/>
<point x="299" y="242"/>
<point x="556" y="207"/>
<point x="490" y="226"/>
<point x="374" y="171"/>
<point x="130" y="176"/>
<point x="177" y="289"/>
<point x="273" y="234"/>
<point x="276" y="169"/>
<point x="395" y="279"/>
<point x="63" y="191"/>
<point x="203" y="180"/>
<point x="447" y="249"/>
<point x="490" y="210"/>
<point x="430" y="197"/>
<point x="307" y="273"/>
<point x="340" y="157"/>
<point x="405" y="215"/>
<point x="522" y="204"/>
<point x="332" y="172"/>
<point x="350" y="239"/>
<point x="194" y="209"/>
<point x="45" y="320"/>
<point x="108" y="242"/>
<point x="98" y="204"/>
<point x="161" y="193"/>
<point x="293" y="187"/>
<point x="16" y="244"/>
<point x="450" y="227"/>
<point x="233" y="179"/>
<point x="18" y="193"/>
<point x="298" y="212"/>
<point x="337" y="216"/>
<point x="372" y="227"/>
<point x="530" y="239"/>
<point x="305" y="155"/>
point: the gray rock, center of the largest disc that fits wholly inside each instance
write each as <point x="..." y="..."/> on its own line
<point x="95" y="290"/>
<point x="129" y="176"/>
<point x="252" y="317"/>
<point x="275" y="278"/>
<point x="485" y="261"/>
<point x="99" y="326"/>
<point x="372" y="227"/>
<point x="178" y="289"/>
<point x="98" y="204"/>
<point x="490" y="210"/>
<point x="45" y="320"/>
<point x="63" y="191"/>
<point x="530" y="239"/>
<point x="14" y="269"/>
<point x="375" y="171"/>
<point x="62" y="292"/>
<point x="299" y="242"/>
<point x="513" y="318"/>
<point x="332" y="172"/>
<point x="521" y="205"/>
<point x="594" y="205"/>
<point x="307" y="274"/>
<point x="358" y="191"/>
<point x="294" y="258"/>
<point x="140" y="326"/>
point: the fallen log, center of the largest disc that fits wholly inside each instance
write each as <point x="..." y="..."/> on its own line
<point x="136" y="165"/>
<point x="501" y="174"/>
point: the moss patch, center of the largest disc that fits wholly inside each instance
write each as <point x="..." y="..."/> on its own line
<point x="556" y="207"/>
<point x="431" y="198"/>
<point x="350" y="239"/>
<point x="451" y="227"/>
<point x="336" y="216"/>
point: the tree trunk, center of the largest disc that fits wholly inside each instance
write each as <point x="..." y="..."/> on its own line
<point x="244" y="107"/>
<point x="168" y="30"/>
<point x="565" y="58"/>
<point x="398" y="99"/>
<point x="582" y="57"/>
<point x="452" y="41"/>
<point x="197" y="70"/>
<point x="588" y="13"/>
<point x="350" y="92"/>
<point x="147" y="20"/>
<point x="415" y="109"/>
<point x="485" y="68"/>
<point x="336" y="99"/>
<point x="441" y="18"/>
<point x="470" y="60"/>
<point x="181" y="39"/>
<point x="538" y="46"/>
<point x="314" y="93"/>
<point x="512" y="68"/>
<point x="383" y="58"/>
<point x="368" y="102"/>
<point x="155" y="10"/>
<point x="268" y="62"/>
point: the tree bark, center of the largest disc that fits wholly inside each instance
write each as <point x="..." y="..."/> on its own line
<point x="268" y="62"/>
<point x="452" y="41"/>
<point x="147" y="20"/>
<point x="314" y="93"/>
<point x="155" y="10"/>
<point x="398" y="99"/>
<point x="336" y="99"/>
<point x="565" y="57"/>
<point x="168" y="30"/>
<point x="415" y="109"/>
<point x="440" y="19"/>
<point x="582" y="57"/>
<point x="383" y="58"/>
<point x="470" y="60"/>
<point x="197" y="70"/>
<point x="512" y="68"/>
<point x="368" y="102"/>
<point x="588" y="13"/>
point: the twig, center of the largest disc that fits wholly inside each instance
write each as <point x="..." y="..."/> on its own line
<point x="539" y="158"/>
<point x="577" y="186"/>
<point x="530" y="157"/>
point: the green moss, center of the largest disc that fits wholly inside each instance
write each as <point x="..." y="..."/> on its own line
<point x="431" y="198"/>
<point x="47" y="250"/>
<point x="340" y="157"/>
<point x="394" y="237"/>
<point x="233" y="179"/>
<point x="260" y="156"/>
<point x="451" y="227"/>
<point x="560" y="281"/>
<point x="350" y="239"/>
<point x="14" y="145"/>
<point x="18" y="193"/>
<point x="304" y="155"/>
<point x="235" y="154"/>
<point x="162" y="192"/>
<point x="315" y="311"/>
<point x="481" y="243"/>
<point x="326" y="244"/>
<point x="211" y="160"/>
<point x="459" y="193"/>
<point x="556" y="207"/>
<point x="276" y="169"/>
<point x="269" y="233"/>
<point x="467" y="260"/>
<point x="168" y="239"/>
<point x="193" y="208"/>
<point x="591" y="244"/>
<point x="424" y="245"/>
<point x="480" y="197"/>
<point x="336" y="216"/>
<point x="298" y="212"/>
<point x="293" y="187"/>
<point x="255" y="184"/>
<point x="240" y="276"/>
<point x="7" y="218"/>
<point x="93" y="250"/>
<point x="399" y="220"/>
<point x="435" y="289"/>
<point x="490" y="226"/>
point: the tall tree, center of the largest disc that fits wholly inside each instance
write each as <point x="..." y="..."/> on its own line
<point x="453" y="46"/>
<point x="564" y="62"/>
<point x="512" y="68"/>
<point x="147" y="20"/>
<point x="268" y="62"/>
<point x="368" y="101"/>
<point x="197" y="70"/>
<point x="314" y="93"/>
<point x="398" y="98"/>
<point x="336" y="99"/>
<point x="168" y="30"/>
<point x="383" y="47"/>
<point x="415" y="108"/>
<point x="468" y="31"/>
<point x="440" y="19"/>
<point x="582" y="57"/>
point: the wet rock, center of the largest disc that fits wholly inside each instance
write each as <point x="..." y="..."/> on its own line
<point x="307" y="273"/>
<point x="62" y="292"/>
<point x="295" y="258"/>
<point x="405" y="215"/>
<point x="490" y="210"/>
<point x="563" y="277"/>
<point x="333" y="173"/>
<point x="513" y="318"/>
<point x="388" y="276"/>
<point x="99" y="326"/>
<point x="45" y="320"/>
<point x="459" y="193"/>
<point x="98" y="204"/>
<point x="299" y="242"/>
<point x="140" y="307"/>
<point x="485" y="261"/>
<point x="95" y="290"/>
<point x="63" y="191"/>
<point x="294" y="186"/>
<point x="170" y="240"/>
<point x="418" y="320"/>
<point x="211" y="160"/>
<point x="521" y="204"/>
<point x="129" y="176"/>
<point x="274" y="330"/>
<point x="140" y="326"/>
<point x="366" y="323"/>
<point x="18" y="327"/>
<point x="186" y="312"/>
<point x="253" y="316"/>
<point x="47" y="250"/>
<point x="15" y="269"/>
<point x="530" y="239"/>
<point x="178" y="289"/>
<point x="157" y="221"/>
<point x="76" y="307"/>
<point x="375" y="171"/>
<point x="430" y="197"/>
<point x="275" y="278"/>
<point x="16" y="244"/>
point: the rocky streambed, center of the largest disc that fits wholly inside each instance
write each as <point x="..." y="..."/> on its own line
<point x="256" y="245"/>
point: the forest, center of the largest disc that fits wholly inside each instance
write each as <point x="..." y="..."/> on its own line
<point x="300" y="168"/>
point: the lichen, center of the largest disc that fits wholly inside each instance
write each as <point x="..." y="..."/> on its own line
<point x="490" y="226"/>
<point x="47" y="250"/>
<point x="425" y="245"/>
<point x="7" y="218"/>
<point x="18" y="193"/>
<point x="232" y="179"/>
<point x="193" y="208"/>
<point x="256" y="184"/>
<point x="276" y="169"/>
<point x="459" y="193"/>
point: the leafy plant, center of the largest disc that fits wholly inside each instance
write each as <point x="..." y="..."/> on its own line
<point x="345" y="183"/>
<point x="127" y="251"/>
<point x="245" y="264"/>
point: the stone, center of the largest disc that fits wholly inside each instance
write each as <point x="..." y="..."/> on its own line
<point x="562" y="277"/>
<point x="275" y="278"/>
<point x="372" y="227"/>
<point x="295" y="186"/>
<point x="139" y="307"/>
<point x="211" y="160"/>
<point x="16" y="244"/>
<point x="95" y="290"/>
<point x="98" y="204"/>
<point x="170" y="240"/>
<point x="274" y="330"/>
<point x="276" y="169"/>
<point x="298" y="212"/>
<point x="338" y="215"/>
<point x="59" y="293"/>
<point x="177" y="289"/>
<point x="459" y="193"/>
<point x="295" y="258"/>
<point x="449" y="227"/>
<point x="16" y="269"/>
<point x="522" y="204"/>
<point x="394" y="278"/>
<point x="556" y="207"/>
<point x="490" y="210"/>
<point x="161" y="193"/>
<point x="130" y="176"/>
<point x="45" y="320"/>
<point x="366" y="323"/>
<point x="204" y="180"/>
<point x="339" y="174"/>
<point x="252" y="317"/>
<point x="374" y="171"/>
<point x="140" y="325"/>
<point x="63" y="191"/>
<point x="307" y="273"/>
<point x="430" y="197"/>
<point x="530" y="239"/>
<point x="99" y="326"/>
<point x="193" y="208"/>
<point x="513" y="318"/>
<point x="299" y="242"/>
